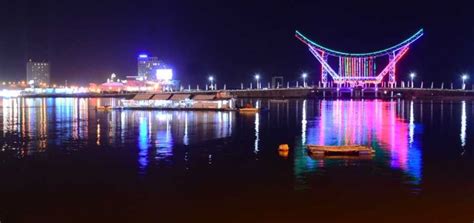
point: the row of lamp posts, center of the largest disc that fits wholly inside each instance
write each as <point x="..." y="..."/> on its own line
<point x="257" y="79"/>
<point x="464" y="77"/>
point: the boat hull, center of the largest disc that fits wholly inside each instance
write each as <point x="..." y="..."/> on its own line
<point x="347" y="150"/>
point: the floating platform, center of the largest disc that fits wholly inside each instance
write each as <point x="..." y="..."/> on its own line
<point x="346" y="150"/>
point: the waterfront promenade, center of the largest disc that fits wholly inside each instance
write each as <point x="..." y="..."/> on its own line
<point x="308" y="92"/>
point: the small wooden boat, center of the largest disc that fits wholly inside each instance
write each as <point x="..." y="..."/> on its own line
<point x="103" y="108"/>
<point x="340" y="150"/>
<point x="249" y="110"/>
<point x="341" y="157"/>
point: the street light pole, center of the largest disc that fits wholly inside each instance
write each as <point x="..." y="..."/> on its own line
<point x="412" y="75"/>
<point x="211" y="79"/>
<point x="304" y="75"/>
<point x="464" y="78"/>
<point x="257" y="78"/>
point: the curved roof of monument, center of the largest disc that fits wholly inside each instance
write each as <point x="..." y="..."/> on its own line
<point x="377" y="53"/>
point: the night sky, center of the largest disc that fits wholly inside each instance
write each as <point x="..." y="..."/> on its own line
<point x="86" y="40"/>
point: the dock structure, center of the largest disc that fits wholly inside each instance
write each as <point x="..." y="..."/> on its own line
<point x="330" y="92"/>
<point x="355" y="93"/>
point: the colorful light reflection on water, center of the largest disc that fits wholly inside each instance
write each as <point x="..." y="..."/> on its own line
<point x="62" y="151"/>
<point x="392" y="128"/>
<point x="33" y="125"/>
<point x="374" y="123"/>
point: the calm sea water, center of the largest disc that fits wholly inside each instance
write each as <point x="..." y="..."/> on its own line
<point x="63" y="161"/>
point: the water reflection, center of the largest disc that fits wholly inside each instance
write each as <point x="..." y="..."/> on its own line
<point x="164" y="139"/>
<point x="379" y="124"/>
<point x="303" y="163"/>
<point x="143" y="143"/>
<point x="36" y="125"/>
<point x="257" y="130"/>
<point x="26" y="123"/>
<point x="463" y="124"/>
<point x="303" y="123"/>
<point x="392" y="128"/>
<point x="412" y="123"/>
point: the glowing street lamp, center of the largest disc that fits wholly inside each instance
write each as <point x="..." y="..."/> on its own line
<point x="464" y="78"/>
<point x="211" y="79"/>
<point x="412" y="75"/>
<point x="257" y="78"/>
<point x="304" y="75"/>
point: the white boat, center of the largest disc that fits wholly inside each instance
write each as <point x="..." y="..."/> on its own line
<point x="220" y="101"/>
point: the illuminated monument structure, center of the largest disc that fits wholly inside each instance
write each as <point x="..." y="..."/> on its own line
<point x="358" y="69"/>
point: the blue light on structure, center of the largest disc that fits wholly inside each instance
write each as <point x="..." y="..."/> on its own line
<point x="143" y="56"/>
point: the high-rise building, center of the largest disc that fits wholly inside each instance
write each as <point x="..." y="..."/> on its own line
<point x="37" y="73"/>
<point x="147" y="66"/>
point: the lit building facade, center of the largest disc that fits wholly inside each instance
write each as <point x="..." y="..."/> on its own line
<point x="37" y="73"/>
<point x="147" y="66"/>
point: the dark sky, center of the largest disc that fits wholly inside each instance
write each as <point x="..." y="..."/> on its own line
<point x="87" y="40"/>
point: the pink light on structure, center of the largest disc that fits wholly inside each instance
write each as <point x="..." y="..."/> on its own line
<point x="392" y="63"/>
<point x="358" y="68"/>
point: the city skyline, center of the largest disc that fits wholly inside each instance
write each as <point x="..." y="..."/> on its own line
<point x="230" y="41"/>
